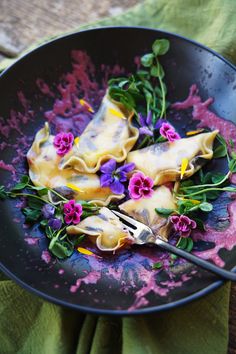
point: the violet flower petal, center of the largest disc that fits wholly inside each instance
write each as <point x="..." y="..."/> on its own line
<point x="149" y="118"/>
<point x="145" y="131"/>
<point x="109" y="166"/>
<point x="105" y="180"/>
<point x="117" y="187"/>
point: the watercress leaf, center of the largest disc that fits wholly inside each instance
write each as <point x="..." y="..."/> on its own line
<point x="212" y="195"/>
<point x="3" y="193"/>
<point x="189" y="246"/>
<point x="147" y="85"/>
<point x="154" y="71"/>
<point x="61" y="249"/>
<point x="31" y="215"/>
<point x="147" y="60"/>
<point x="182" y="243"/>
<point x="160" y="139"/>
<point x="231" y="143"/>
<point x="35" y="203"/>
<point x="220" y="151"/>
<point x="217" y="177"/>
<point x="200" y="224"/>
<point x="44" y="223"/>
<point x="25" y="179"/>
<point x="164" y="211"/>
<point x="157" y="265"/>
<point x="161" y="72"/>
<point x="233" y="155"/>
<point x="160" y="46"/>
<point x="19" y="186"/>
<point x="143" y="74"/>
<point x="206" y="206"/>
<point x="232" y="166"/>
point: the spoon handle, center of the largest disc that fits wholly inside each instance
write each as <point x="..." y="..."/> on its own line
<point x="196" y="260"/>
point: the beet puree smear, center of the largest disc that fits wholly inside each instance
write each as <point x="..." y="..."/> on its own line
<point x="131" y="268"/>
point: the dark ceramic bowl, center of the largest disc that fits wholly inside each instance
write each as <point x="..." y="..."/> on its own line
<point x="124" y="283"/>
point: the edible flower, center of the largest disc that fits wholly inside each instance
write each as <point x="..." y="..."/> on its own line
<point x="140" y="186"/>
<point x="113" y="177"/>
<point x="147" y="127"/>
<point x="184" y="165"/>
<point x="48" y="212"/>
<point x="168" y="132"/>
<point x="72" y="212"/>
<point x="86" y="105"/>
<point x="116" y="113"/>
<point x="183" y="224"/>
<point x="63" y="143"/>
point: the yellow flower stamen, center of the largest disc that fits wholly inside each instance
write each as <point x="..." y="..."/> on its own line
<point x="74" y="187"/>
<point x="116" y="113"/>
<point x="194" y="132"/>
<point x="86" y="105"/>
<point x="184" y="166"/>
<point x="85" y="251"/>
<point x="76" y="140"/>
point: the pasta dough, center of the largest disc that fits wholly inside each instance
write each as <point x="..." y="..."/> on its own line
<point x="108" y="135"/>
<point x="143" y="210"/>
<point x="162" y="162"/>
<point x="44" y="171"/>
<point x="105" y="229"/>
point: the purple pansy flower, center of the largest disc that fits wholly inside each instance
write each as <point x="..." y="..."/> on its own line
<point x="63" y="143"/>
<point x="147" y="127"/>
<point x="48" y="212"/>
<point x="113" y="177"/>
<point x="140" y="186"/>
<point x="55" y="223"/>
<point x="168" y="132"/>
<point x="72" y="212"/>
<point x="183" y="224"/>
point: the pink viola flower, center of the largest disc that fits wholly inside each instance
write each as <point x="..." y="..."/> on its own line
<point x="183" y="224"/>
<point x="140" y="186"/>
<point x="72" y="212"/>
<point x="63" y="143"/>
<point x="168" y="132"/>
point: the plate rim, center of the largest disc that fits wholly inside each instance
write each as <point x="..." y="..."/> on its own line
<point x="141" y="311"/>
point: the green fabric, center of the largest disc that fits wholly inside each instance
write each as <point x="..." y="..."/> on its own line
<point x="31" y="325"/>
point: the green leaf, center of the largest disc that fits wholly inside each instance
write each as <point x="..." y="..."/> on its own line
<point x="161" y="72"/>
<point x="160" y="139"/>
<point x="157" y="265"/>
<point x="35" y="203"/>
<point x="189" y="246"/>
<point x="31" y="215"/>
<point x="182" y="243"/>
<point x="147" y="60"/>
<point x="160" y="46"/>
<point x="231" y="143"/>
<point x="212" y="195"/>
<point x="232" y="166"/>
<point x="24" y="181"/>
<point x="164" y="211"/>
<point x="217" y="178"/>
<point x="200" y="224"/>
<point x="61" y="249"/>
<point x="143" y="74"/>
<point x="233" y="155"/>
<point x="154" y="71"/>
<point x="3" y="193"/>
<point x="206" y="206"/>
<point x="44" y="223"/>
<point x="220" y="151"/>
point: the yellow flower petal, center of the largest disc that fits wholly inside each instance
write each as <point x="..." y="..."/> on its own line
<point x="194" y="201"/>
<point x="184" y="166"/>
<point x="74" y="187"/>
<point x="86" y="104"/>
<point x="116" y="113"/>
<point x="194" y="132"/>
<point x="76" y="140"/>
<point x="85" y="251"/>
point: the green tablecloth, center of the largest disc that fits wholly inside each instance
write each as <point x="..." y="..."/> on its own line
<point x="31" y="325"/>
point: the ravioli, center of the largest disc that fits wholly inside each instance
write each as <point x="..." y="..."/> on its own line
<point x="105" y="229"/>
<point x="162" y="161"/>
<point x="110" y="134"/>
<point x="44" y="171"/>
<point x="143" y="210"/>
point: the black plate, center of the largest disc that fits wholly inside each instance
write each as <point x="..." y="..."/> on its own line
<point x="114" y="285"/>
